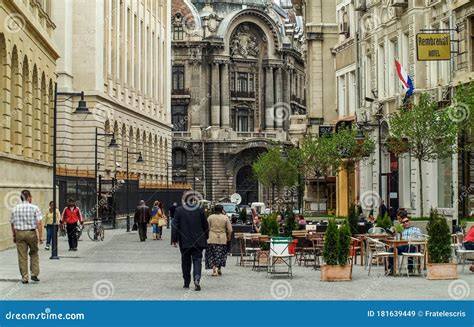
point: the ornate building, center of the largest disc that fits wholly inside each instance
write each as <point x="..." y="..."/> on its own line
<point x="237" y="78"/>
<point x="27" y="74"/>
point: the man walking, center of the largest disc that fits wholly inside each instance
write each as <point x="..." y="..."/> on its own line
<point x="71" y="216"/>
<point x="191" y="230"/>
<point x="27" y="232"/>
<point x="142" y="219"/>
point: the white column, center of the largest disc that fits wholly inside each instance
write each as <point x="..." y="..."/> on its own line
<point x="225" y="96"/>
<point x="279" y="99"/>
<point x="215" y="101"/>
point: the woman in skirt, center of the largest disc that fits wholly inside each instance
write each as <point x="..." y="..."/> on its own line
<point x="220" y="232"/>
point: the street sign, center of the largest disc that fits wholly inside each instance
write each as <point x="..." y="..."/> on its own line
<point x="433" y="46"/>
<point x="236" y="198"/>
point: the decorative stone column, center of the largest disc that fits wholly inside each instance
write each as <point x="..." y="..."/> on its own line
<point x="197" y="94"/>
<point x="269" y="103"/>
<point x="225" y="96"/>
<point x="216" y="97"/>
<point x="282" y="114"/>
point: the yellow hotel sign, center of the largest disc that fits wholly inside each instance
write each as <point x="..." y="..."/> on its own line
<point x="433" y="46"/>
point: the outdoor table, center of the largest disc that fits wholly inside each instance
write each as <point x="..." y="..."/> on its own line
<point x="394" y="244"/>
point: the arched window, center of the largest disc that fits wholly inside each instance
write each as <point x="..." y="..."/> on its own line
<point x="179" y="118"/>
<point x="16" y="108"/>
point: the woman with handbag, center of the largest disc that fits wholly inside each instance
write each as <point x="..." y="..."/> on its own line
<point x="155" y="217"/>
<point x="220" y="232"/>
<point x="162" y="221"/>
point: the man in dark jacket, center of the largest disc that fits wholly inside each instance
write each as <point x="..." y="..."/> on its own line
<point x="190" y="230"/>
<point x="142" y="218"/>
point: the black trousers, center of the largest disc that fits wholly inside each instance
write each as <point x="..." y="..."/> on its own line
<point x="142" y="228"/>
<point x="72" y="235"/>
<point x="191" y="256"/>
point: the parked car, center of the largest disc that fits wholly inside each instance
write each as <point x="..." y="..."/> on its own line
<point x="259" y="207"/>
<point x="231" y="210"/>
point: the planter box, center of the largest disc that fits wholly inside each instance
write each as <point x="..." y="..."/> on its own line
<point x="438" y="271"/>
<point x="336" y="273"/>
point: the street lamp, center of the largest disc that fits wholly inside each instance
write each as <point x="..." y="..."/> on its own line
<point x="203" y="130"/>
<point x="112" y="145"/>
<point x="360" y="136"/>
<point x="81" y="109"/>
<point x="139" y="160"/>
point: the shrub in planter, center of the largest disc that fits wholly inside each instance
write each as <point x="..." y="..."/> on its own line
<point x="439" y="248"/>
<point x="337" y="243"/>
<point x="353" y="219"/>
<point x="290" y="223"/>
<point x="384" y="222"/>
<point x="269" y="227"/>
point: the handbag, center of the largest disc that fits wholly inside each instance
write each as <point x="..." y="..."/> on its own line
<point x="135" y="227"/>
<point x="162" y="221"/>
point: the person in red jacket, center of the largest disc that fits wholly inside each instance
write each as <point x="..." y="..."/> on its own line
<point x="71" y="216"/>
<point x="469" y="243"/>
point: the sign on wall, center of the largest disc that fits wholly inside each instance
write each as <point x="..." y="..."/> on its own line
<point x="433" y="46"/>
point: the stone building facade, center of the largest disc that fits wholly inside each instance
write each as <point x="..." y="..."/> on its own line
<point x="237" y="78"/>
<point x="385" y="31"/>
<point x="27" y="74"/>
<point x="118" y="53"/>
<point x="321" y="37"/>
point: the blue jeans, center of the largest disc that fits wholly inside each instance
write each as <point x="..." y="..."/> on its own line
<point x="49" y="234"/>
<point x="156" y="228"/>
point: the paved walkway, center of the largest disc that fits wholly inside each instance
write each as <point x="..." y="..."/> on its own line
<point x="121" y="267"/>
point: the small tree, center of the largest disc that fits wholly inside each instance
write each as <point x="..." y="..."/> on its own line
<point x="428" y="133"/>
<point x="384" y="222"/>
<point x="439" y="241"/>
<point x="269" y="225"/>
<point x="331" y="244"/>
<point x="290" y="223"/>
<point x="353" y="219"/>
<point x="344" y="244"/>
<point x="272" y="170"/>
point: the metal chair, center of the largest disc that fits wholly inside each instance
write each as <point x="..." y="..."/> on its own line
<point x="376" y="230"/>
<point x="377" y="250"/>
<point x="418" y="256"/>
<point x="279" y="254"/>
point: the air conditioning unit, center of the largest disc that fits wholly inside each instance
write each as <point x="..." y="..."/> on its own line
<point x="399" y="3"/>
<point x="360" y="5"/>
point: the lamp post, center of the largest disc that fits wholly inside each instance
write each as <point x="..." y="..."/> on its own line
<point x="113" y="145"/>
<point x="360" y="138"/>
<point x="81" y="109"/>
<point x="167" y="194"/>
<point x="139" y="160"/>
<point x="203" y="130"/>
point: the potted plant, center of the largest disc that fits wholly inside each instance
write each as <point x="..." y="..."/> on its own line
<point x="384" y="222"/>
<point x="269" y="228"/>
<point x="440" y="265"/>
<point x="337" y="244"/>
<point x="398" y="228"/>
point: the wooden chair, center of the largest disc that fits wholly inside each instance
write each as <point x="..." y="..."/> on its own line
<point x="317" y="239"/>
<point x="300" y="235"/>
<point x="356" y="248"/>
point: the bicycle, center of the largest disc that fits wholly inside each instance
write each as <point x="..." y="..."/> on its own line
<point x="96" y="231"/>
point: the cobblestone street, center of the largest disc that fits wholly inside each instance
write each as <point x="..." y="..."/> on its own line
<point x="121" y="267"/>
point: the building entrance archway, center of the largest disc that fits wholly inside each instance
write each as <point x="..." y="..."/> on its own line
<point x="247" y="185"/>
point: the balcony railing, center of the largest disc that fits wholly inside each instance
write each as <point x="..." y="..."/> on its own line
<point x="242" y="94"/>
<point x="180" y="92"/>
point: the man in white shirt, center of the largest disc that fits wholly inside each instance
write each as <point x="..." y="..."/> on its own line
<point x="27" y="232"/>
